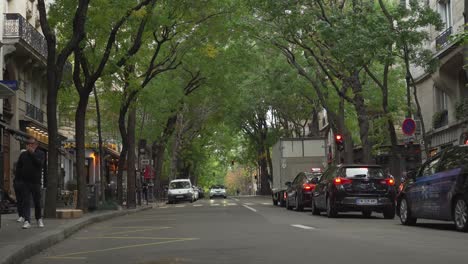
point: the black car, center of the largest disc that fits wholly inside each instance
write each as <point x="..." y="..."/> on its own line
<point x="299" y="192"/>
<point x="364" y="188"/>
<point x="439" y="190"/>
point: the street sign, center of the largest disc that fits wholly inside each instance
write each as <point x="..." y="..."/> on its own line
<point x="408" y="126"/>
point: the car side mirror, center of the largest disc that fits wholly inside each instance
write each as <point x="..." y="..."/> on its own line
<point x="288" y="183"/>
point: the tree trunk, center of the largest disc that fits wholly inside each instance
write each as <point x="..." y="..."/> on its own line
<point x="101" y="148"/>
<point x="122" y="157"/>
<point x="54" y="144"/>
<point x="263" y="166"/>
<point x="80" y="118"/>
<point x="363" y="120"/>
<point x="131" y="173"/>
<point x="175" y="147"/>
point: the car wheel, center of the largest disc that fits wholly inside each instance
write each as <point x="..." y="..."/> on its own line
<point x="460" y="215"/>
<point x="315" y="210"/>
<point x="331" y="210"/>
<point x="389" y="213"/>
<point x="366" y="213"/>
<point x="288" y="207"/>
<point x="405" y="213"/>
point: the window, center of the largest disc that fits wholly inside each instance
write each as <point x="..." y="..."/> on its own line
<point x="430" y="167"/>
<point x="454" y="158"/>
<point x="364" y="172"/>
<point x="441" y="100"/>
<point x="445" y="12"/>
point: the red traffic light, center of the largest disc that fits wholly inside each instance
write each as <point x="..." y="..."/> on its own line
<point x="466" y="141"/>
<point x="338" y="137"/>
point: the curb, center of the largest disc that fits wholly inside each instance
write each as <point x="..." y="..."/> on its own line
<point x="19" y="253"/>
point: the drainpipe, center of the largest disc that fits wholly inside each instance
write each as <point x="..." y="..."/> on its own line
<point x="465" y="58"/>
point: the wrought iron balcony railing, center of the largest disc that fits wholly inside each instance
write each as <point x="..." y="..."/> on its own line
<point x="34" y="112"/>
<point x="17" y="26"/>
<point x="444" y="38"/>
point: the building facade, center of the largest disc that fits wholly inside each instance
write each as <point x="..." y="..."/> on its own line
<point x="23" y="54"/>
<point x="443" y="94"/>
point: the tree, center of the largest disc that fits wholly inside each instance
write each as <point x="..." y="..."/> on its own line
<point x="56" y="60"/>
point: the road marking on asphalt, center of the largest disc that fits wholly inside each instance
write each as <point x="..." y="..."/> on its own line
<point x="135" y="237"/>
<point x="57" y="257"/>
<point x="164" y="207"/>
<point x="304" y="227"/>
<point x="179" y="206"/>
<point x="215" y="204"/>
<point x="250" y="208"/>
<point x="237" y="200"/>
<point x="249" y="203"/>
<point x="231" y="204"/>
<point x="266" y="203"/>
<point x="198" y="205"/>
<point x="118" y="248"/>
<point x="139" y="230"/>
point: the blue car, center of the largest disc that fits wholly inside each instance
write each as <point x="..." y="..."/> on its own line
<point x="439" y="190"/>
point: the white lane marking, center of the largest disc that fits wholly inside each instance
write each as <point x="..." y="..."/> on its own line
<point x="235" y="199"/>
<point x="266" y="203"/>
<point x="179" y="206"/>
<point x="164" y="207"/>
<point x="215" y="205"/>
<point x="197" y="205"/>
<point x="230" y="204"/>
<point x="304" y="227"/>
<point x="249" y="204"/>
<point x="250" y="208"/>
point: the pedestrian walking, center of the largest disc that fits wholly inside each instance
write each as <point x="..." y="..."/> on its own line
<point x="18" y="186"/>
<point x="29" y="169"/>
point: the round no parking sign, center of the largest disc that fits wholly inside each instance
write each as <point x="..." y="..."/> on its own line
<point x="409" y="126"/>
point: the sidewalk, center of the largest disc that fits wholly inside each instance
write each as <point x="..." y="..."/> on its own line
<point x="16" y="244"/>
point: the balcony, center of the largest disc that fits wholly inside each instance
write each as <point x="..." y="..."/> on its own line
<point x="443" y="39"/>
<point x="17" y="29"/>
<point x="34" y="112"/>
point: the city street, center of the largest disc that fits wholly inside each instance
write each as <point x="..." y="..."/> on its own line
<point x="252" y="230"/>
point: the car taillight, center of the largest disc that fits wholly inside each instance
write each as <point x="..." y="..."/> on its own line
<point x="308" y="186"/>
<point x="285" y="195"/>
<point x="341" y="181"/>
<point x="389" y="182"/>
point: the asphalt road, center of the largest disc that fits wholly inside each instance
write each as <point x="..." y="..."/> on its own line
<point x="251" y="230"/>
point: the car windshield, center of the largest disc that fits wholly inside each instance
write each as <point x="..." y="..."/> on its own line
<point x="217" y="187"/>
<point x="363" y="172"/>
<point x="179" y="185"/>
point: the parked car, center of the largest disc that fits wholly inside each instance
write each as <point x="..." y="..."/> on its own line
<point x="364" y="188"/>
<point x="196" y="194"/>
<point x="201" y="192"/>
<point x="180" y="190"/>
<point x="299" y="192"/>
<point x="218" y="191"/>
<point x="439" y="190"/>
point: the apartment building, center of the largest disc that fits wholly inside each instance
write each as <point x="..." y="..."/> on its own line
<point x="443" y="94"/>
<point x="23" y="95"/>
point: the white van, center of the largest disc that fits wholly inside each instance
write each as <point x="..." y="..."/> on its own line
<point x="180" y="190"/>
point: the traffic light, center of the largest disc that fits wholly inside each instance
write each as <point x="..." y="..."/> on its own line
<point x="339" y="141"/>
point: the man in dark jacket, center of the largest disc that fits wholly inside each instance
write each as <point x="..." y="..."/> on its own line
<point x="29" y="168"/>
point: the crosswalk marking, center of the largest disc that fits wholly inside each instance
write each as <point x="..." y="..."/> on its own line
<point x="179" y="206"/>
<point x="215" y="205"/>
<point x="248" y="203"/>
<point x="266" y="203"/>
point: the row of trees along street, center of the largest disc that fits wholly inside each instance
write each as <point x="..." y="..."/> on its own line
<point x="213" y="84"/>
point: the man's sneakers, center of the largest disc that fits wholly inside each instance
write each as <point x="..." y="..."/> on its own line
<point x="20" y="220"/>
<point x="26" y="225"/>
<point x="40" y="223"/>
